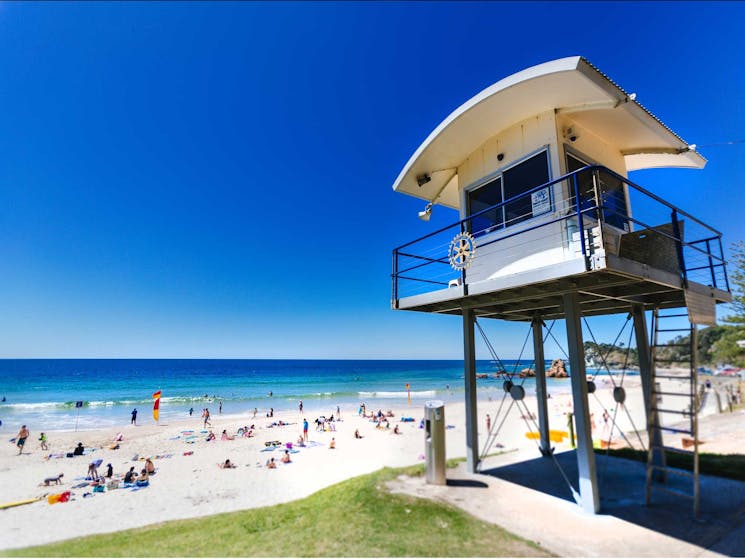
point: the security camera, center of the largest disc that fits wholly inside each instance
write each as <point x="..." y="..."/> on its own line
<point x="571" y="134"/>
<point x="424" y="215"/>
<point x="423" y="179"/>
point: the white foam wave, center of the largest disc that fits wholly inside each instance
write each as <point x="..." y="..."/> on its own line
<point x="414" y="394"/>
<point x="34" y="406"/>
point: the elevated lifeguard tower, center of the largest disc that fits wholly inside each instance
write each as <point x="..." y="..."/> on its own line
<point x="537" y="165"/>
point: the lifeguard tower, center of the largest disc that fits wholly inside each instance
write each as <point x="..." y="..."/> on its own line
<point x="537" y="165"/>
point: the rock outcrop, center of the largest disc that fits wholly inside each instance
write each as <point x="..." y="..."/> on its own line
<point x="558" y="369"/>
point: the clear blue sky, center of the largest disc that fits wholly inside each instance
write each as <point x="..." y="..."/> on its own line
<point x="214" y="180"/>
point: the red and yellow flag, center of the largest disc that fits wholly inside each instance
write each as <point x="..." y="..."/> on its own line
<point x="156" y="405"/>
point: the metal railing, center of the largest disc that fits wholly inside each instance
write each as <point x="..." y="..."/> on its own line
<point x="587" y="207"/>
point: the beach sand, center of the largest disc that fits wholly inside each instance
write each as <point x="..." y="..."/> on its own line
<point x="188" y="486"/>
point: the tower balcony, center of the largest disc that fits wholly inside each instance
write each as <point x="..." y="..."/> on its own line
<point x="516" y="259"/>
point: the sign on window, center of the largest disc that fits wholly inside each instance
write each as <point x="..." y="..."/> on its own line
<point x="541" y="202"/>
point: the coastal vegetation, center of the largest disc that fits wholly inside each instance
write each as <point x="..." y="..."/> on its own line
<point x="355" y="518"/>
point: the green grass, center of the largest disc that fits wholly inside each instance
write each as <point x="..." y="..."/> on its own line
<point x="355" y="518"/>
<point x="731" y="466"/>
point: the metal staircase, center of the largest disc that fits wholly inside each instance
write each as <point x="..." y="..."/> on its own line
<point x="674" y="406"/>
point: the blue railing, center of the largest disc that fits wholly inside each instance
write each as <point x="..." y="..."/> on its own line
<point x="585" y="200"/>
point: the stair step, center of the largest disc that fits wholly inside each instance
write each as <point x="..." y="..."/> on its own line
<point x="678" y="412"/>
<point x="673" y="471"/>
<point x="658" y="360"/>
<point x="675" y="430"/>
<point x="686" y="394"/>
<point x="671" y="491"/>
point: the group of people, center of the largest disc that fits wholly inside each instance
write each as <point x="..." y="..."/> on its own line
<point x="143" y="479"/>
<point x="23" y="435"/>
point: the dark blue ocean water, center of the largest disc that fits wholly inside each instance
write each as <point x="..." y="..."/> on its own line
<point x="43" y="392"/>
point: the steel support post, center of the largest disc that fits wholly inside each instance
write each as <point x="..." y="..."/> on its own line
<point x="588" y="479"/>
<point x="469" y="375"/>
<point x="540" y="386"/>
<point x="647" y="376"/>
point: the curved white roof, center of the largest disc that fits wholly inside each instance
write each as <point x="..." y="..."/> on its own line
<point x="569" y="84"/>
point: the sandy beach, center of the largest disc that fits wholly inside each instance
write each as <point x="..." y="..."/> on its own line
<point x="189" y="483"/>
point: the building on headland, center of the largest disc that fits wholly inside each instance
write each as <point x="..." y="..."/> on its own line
<point x="551" y="227"/>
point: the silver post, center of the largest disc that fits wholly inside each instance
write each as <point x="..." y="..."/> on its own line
<point x="540" y="385"/>
<point x="469" y="370"/>
<point x="588" y="479"/>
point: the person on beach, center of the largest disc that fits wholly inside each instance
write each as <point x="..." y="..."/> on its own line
<point x="134" y="417"/>
<point x="191" y="411"/>
<point x="357" y="434"/>
<point x="488" y="422"/>
<point x="271" y="464"/>
<point x="130" y="476"/>
<point x="338" y="413"/>
<point x="332" y="444"/>
<point x="227" y="465"/>
<point x="206" y="416"/>
<point x="149" y="467"/>
<point x="219" y="409"/>
<point x="305" y="429"/>
<point x="225" y="436"/>
<point x="109" y="471"/>
<point x="256" y="410"/>
<point x="396" y="430"/>
<point x="79" y="450"/>
<point x="286" y="457"/>
<point x="21" y="438"/>
<point x="143" y="480"/>
<point x="300" y="407"/>
<point x="92" y="472"/>
<point x="43" y="441"/>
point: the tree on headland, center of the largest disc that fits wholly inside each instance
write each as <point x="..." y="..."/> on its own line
<point x="725" y="348"/>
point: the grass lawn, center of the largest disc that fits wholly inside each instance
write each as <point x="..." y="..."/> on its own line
<point x="355" y="518"/>
<point x="731" y="466"/>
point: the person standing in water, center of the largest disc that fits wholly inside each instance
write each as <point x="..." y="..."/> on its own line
<point x="300" y="407"/>
<point x="134" y="417"/>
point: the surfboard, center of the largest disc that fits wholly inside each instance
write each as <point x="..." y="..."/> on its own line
<point x="18" y="503"/>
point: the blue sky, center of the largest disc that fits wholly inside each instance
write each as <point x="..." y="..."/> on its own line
<point x="214" y="180"/>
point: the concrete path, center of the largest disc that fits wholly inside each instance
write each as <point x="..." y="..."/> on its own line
<point x="525" y="494"/>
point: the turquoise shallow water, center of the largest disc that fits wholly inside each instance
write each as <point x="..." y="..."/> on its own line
<point x="43" y="392"/>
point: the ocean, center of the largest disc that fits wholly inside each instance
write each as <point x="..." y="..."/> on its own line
<point x="43" y="393"/>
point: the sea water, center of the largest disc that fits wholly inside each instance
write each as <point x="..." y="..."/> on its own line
<point x="43" y="393"/>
